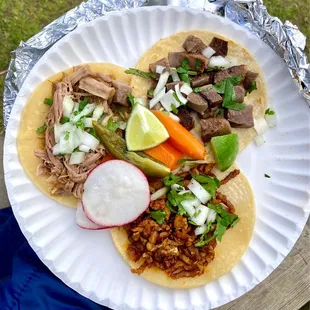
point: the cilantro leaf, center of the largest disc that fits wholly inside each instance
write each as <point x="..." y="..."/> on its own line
<point x="225" y="218"/>
<point x="197" y="90"/>
<point x="220" y="86"/>
<point x="82" y="104"/>
<point x="219" y="231"/>
<point x="208" y="183"/>
<point x="269" y="112"/>
<point x="146" y="75"/>
<point x="181" y="70"/>
<point x="48" y="101"/>
<point x="80" y="123"/>
<point x="112" y="125"/>
<point x="184" y="77"/>
<point x="229" y="93"/>
<point x="150" y="92"/>
<point x="64" y="120"/>
<point x="174" y="108"/>
<point x="131" y="99"/>
<point x="101" y="118"/>
<point x="267" y="176"/>
<point x="192" y="73"/>
<point x="218" y="112"/>
<point x="235" y="222"/>
<point x="67" y="135"/>
<point x="185" y="64"/>
<point x="205" y="241"/>
<point x="181" y="210"/>
<point x="252" y="87"/>
<point x="198" y="63"/>
<point x="158" y="216"/>
<point x="92" y="132"/>
<point x="235" y="106"/>
<point x="175" y="96"/>
<point x="175" y="200"/>
<point x="120" y="112"/>
<point x="41" y="129"/>
<point x="170" y="207"/>
<point x="171" y="179"/>
<point x="197" y="213"/>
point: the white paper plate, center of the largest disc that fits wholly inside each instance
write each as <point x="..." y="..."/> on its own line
<point x="87" y="260"/>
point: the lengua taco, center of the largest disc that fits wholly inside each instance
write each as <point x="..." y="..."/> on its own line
<point x="168" y="244"/>
<point x="227" y="91"/>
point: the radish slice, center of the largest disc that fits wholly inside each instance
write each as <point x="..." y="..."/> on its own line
<point x="159" y="193"/>
<point x="82" y="220"/>
<point x="208" y="52"/>
<point x="115" y="193"/>
<point x="161" y="82"/>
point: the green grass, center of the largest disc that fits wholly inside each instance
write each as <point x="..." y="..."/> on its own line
<point x="19" y="20"/>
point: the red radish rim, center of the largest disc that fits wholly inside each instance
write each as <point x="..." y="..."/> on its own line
<point x="112" y="226"/>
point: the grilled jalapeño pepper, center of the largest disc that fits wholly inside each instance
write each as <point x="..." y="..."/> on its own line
<point x="116" y="146"/>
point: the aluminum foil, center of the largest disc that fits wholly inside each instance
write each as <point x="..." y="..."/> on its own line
<point x="285" y="39"/>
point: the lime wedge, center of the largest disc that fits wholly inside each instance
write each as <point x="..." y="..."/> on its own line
<point x="144" y="130"/>
<point x="225" y="149"/>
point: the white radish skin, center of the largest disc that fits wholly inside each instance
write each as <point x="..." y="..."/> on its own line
<point x="82" y="220"/>
<point x="115" y="193"/>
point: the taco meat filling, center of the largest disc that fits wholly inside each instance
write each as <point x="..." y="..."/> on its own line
<point x="78" y="99"/>
<point x="166" y="235"/>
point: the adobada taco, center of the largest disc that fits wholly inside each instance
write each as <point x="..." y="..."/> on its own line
<point x="228" y="88"/>
<point x="85" y="93"/>
<point x="166" y="246"/>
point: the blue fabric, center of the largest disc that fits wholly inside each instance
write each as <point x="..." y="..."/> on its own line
<point x="25" y="282"/>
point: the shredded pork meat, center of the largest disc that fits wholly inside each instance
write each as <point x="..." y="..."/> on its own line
<point x="63" y="178"/>
<point x="171" y="246"/>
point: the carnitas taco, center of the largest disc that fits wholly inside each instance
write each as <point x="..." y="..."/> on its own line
<point x="211" y="83"/>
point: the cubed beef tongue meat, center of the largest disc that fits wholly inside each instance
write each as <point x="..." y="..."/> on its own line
<point x="194" y="45"/>
<point x="122" y="91"/>
<point x="242" y="118"/>
<point x="203" y="79"/>
<point x="214" y="126"/>
<point x="161" y="62"/>
<point x="196" y="62"/>
<point x="172" y="85"/>
<point x="239" y="94"/>
<point x="232" y="71"/>
<point x="250" y="77"/>
<point x="213" y="98"/>
<point x="220" y="46"/>
<point x="197" y="103"/>
<point x="187" y="120"/>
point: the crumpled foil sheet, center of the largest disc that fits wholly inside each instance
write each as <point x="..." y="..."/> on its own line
<point x="285" y="39"/>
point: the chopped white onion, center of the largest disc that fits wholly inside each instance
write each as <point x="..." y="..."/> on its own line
<point x="84" y="148"/>
<point x="67" y="106"/>
<point x="260" y="125"/>
<point x="211" y="215"/>
<point x="161" y="82"/>
<point x="169" y="99"/>
<point x="88" y="122"/>
<point x="141" y="101"/>
<point x="177" y="187"/>
<point x="175" y="76"/>
<point x="122" y="125"/>
<point x="202" y="214"/>
<point x="173" y="116"/>
<point x="200" y="230"/>
<point x="198" y="191"/>
<point x="259" y="140"/>
<point x="179" y="95"/>
<point x="189" y="205"/>
<point x="157" y="98"/>
<point x="98" y="111"/>
<point x="186" y="89"/>
<point x="89" y="140"/>
<point x="160" y="69"/>
<point x="208" y="52"/>
<point x="271" y="120"/>
<point x="89" y="108"/>
<point x="76" y="158"/>
<point x="159" y="193"/>
<point x="184" y="192"/>
<point x="59" y="129"/>
<point x="219" y="62"/>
